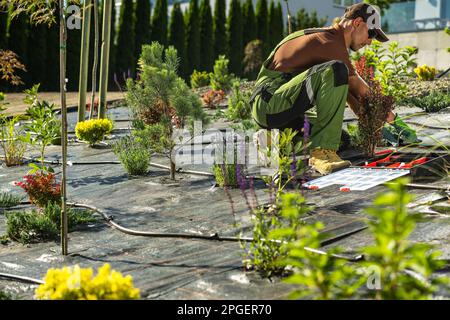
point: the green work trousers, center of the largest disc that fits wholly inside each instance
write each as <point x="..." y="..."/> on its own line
<point x="320" y="93"/>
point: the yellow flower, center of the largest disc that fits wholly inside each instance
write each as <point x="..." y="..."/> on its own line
<point x="77" y="283"/>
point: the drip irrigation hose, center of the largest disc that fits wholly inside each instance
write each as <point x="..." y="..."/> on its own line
<point x="213" y="237"/>
<point x="9" y="276"/>
<point x="152" y="164"/>
<point x="426" y="186"/>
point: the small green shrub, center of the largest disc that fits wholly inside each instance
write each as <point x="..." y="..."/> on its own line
<point x="160" y="93"/>
<point x="239" y="107"/>
<point x="433" y="102"/>
<point x="11" y="141"/>
<point x="264" y="253"/>
<point x="35" y="226"/>
<point x="8" y="200"/>
<point x="199" y="79"/>
<point x="75" y="216"/>
<point x="226" y="175"/>
<point x="394" y="255"/>
<point x="5" y="296"/>
<point x="220" y="78"/>
<point x="27" y="227"/>
<point x="318" y="276"/>
<point x="133" y="154"/>
<point x="2" y="104"/>
<point x="390" y="66"/>
<point x="355" y="137"/>
<point x="93" y="131"/>
<point x="158" y="138"/>
<point x="44" y="128"/>
<point x="245" y="125"/>
<point x="253" y="58"/>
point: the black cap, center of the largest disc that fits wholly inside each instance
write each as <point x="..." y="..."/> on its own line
<point x="370" y="15"/>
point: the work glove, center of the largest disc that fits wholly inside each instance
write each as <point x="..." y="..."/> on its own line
<point x="398" y="133"/>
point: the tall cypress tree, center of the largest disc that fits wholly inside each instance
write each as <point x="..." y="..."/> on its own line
<point x="143" y="26"/>
<point x="3" y="31"/>
<point x="36" y="49"/>
<point x="275" y="24"/>
<point x="272" y="39"/>
<point x="280" y="22"/>
<point x="248" y="22"/>
<point x="177" y="37"/>
<point x="219" y="26"/>
<point x="17" y="42"/>
<point x="206" y="37"/>
<point x="234" y="33"/>
<point x="262" y="24"/>
<point x="160" y="22"/>
<point x="52" y="58"/>
<point x="192" y="37"/>
<point x="125" y="59"/>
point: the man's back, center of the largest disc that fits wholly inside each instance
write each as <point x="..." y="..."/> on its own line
<point x="315" y="47"/>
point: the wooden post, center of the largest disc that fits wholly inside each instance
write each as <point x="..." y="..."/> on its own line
<point x="84" y="60"/>
<point x="289" y="17"/>
<point x="62" y="88"/>
<point x="95" y="64"/>
<point x="104" y="63"/>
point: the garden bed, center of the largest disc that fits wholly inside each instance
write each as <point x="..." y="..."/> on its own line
<point x="180" y="268"/>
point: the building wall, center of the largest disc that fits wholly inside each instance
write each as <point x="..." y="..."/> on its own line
<point x="432" y="46"/>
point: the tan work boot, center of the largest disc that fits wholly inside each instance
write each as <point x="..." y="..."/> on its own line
<point x="326" y="161"/>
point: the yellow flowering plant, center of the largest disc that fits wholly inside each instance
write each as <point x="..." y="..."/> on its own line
<point x="94" y="130"/>
<point x="425" y="73"/>
<point x="75" y="283"/>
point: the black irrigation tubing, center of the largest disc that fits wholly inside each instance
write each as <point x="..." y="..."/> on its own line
<point x="152" y="164"/>
<point x="213" y="237"/>
<point x="9" y="276"/>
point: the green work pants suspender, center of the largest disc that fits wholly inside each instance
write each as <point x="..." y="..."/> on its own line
<point x="281" y="100"/>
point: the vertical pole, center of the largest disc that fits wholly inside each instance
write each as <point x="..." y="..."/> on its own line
<point x="62" y="84"/>
<point x="95" y="65"/>
<point x="104" y="63"/>
<point x="289" y="17"/>
<point x="84" y="60"/>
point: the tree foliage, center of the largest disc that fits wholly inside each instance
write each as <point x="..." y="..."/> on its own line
<point x="219" y="26"/>
<point x="234" y="34"/>
<point x="192" y="37"/>
<point x="206" y="37"/>
<point x="160" y="22"/>
<point x="143" y="25"/>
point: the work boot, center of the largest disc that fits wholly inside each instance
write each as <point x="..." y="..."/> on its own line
<point x="325" y="161"/>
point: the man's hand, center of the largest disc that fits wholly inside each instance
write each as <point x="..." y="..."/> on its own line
<point x="405" y="134"/>
<point x="391" y="117"/>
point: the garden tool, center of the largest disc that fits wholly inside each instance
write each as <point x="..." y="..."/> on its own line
<point x="399" y="133"/>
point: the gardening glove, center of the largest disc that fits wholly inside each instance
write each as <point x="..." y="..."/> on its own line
<point x="399" y="133"/>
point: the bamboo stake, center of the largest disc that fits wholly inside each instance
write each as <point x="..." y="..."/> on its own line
<point x="84" y="60"/>
<point x="94" y="67"/>
<point x="289" y="17"/>
<point x="104" y="63"/>
<point x="62" y="84"/>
